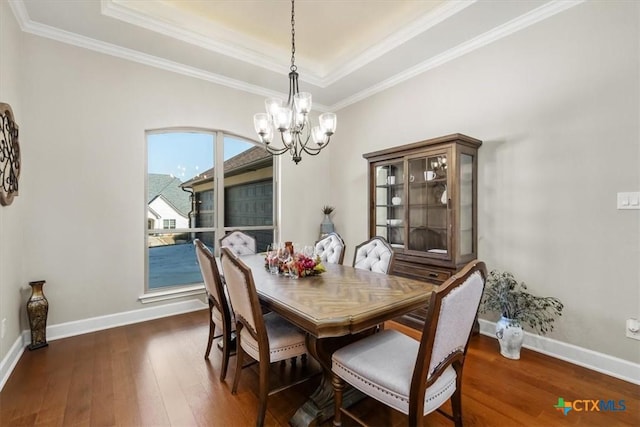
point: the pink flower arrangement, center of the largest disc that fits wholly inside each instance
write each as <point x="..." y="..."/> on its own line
<point x="299" y="265"/>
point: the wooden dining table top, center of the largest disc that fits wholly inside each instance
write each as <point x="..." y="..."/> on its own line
<point x="341" y="301"/>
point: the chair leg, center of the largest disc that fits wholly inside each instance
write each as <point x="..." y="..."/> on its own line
<point x="338" y="387"/>
<point x="456" y="407"/>
<point x="212" y="332"/>
<point x="239" y="357"/>
<point x="264" y="391"/>
<point x="226" y="351"/>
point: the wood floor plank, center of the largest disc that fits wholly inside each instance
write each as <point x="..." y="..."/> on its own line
<point x="154" y="374"/>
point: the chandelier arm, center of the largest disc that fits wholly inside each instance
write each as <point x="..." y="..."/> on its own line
<point x="315" y="151"/>
<point x="276" y="151"/>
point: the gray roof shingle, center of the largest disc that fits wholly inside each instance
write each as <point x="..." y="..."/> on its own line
<point x="168" y="187"/>
<point x="253" y="158"/>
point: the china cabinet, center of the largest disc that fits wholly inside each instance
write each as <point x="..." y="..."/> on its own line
<point x="423" y="200"/>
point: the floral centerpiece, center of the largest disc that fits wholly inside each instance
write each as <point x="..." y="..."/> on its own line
<point x="305" y="266"/>
<point x="298" y="265"/>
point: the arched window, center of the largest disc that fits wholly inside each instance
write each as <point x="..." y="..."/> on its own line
<point x="200" y="184"/>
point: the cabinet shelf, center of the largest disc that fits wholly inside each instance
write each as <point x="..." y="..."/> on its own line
<point x="390" y="185"/>
<point x="428" y="205"/>
<point x="436" y="181"/>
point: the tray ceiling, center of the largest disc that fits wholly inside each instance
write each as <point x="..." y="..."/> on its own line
<point x="346" y="50"/>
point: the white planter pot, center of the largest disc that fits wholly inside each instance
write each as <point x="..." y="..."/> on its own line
<point x="510" y="336"/>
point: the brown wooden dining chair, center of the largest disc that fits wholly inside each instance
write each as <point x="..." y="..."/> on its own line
<point x="220" y="314"/>
<point x="375" y="254"/>
<point x="267" y="338"/>
<point x="330" y="248"/>
<point x="239" y="242"/>
<point x="416" y="377"/>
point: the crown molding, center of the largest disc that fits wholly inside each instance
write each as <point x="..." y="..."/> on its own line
<point x="410" y="31"/>
<point x="46" y="31"/>
<point x="539" y="14"/>
<point x="224" y="41"/>
<point x="543" y="12"/>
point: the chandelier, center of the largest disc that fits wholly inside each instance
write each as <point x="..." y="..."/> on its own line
<point x="291" y="119"/>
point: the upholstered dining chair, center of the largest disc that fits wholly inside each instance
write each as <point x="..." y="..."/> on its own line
<point x="240" y="243"/>
<point x="417" y="377"/>
<point x="330" y="248"/>
<point x="375" y="255"/>
<point x="266" y="338"/>
<point x="220" y="314"/>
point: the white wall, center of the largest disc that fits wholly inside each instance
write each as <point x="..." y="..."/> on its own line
<point x="556" y="105"/>
<point x="12" y="224"/>
<point x="84" y="123"/>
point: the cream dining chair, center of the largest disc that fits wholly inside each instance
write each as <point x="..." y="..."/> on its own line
<point x="240" y="243"/>
<point x="267" y="338"/>
<point x="374" y="255"/>
<point x="330" y="248"/>
<point x="416" y="377"/>
<point x="220" y="314"/>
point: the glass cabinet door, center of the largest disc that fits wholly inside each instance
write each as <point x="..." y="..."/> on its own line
<point x="429" y="204"/>
<point x="389" y="203"/>
<point x="466" y="232"/>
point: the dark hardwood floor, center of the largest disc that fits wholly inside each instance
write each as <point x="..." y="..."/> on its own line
<point x="154" y="374"/>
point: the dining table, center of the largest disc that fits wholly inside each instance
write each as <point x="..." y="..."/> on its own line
<point x="334" y="308"/>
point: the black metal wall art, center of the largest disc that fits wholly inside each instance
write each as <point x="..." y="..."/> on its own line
<point x="9" y="155"/>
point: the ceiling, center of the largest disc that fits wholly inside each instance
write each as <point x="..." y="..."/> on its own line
<point x="346" y="50"/>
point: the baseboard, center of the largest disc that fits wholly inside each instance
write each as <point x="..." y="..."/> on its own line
<point x="11" y="360"/>
<point x="79" y="327"/>
<point x="599" y="362"/>
<point x="99" y="323"/>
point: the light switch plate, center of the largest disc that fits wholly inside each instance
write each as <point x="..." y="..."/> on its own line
<point x="629" y="200"/>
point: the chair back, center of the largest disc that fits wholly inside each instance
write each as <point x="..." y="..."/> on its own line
<point x="244" y="299"/>
<point x="452" y="312"/>
<point x="211" y="276"/>
<point x="375" y="255"/>
<point x="330" y="248"/>
<point x="240" y="243"/>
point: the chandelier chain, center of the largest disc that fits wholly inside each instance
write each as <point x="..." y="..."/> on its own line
<point x="293" y="38"/>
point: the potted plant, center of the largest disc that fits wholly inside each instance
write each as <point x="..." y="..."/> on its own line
<point x="327" y="225"/>
<point x="517" y="307"/>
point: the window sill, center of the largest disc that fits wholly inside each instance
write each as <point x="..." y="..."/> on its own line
<point x="181" y="292"/>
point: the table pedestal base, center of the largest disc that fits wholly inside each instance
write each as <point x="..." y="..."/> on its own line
<point x="320" y="406"/>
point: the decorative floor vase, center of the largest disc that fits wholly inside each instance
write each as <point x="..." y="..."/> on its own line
<point x="510" y="336"/>
<point x="37" y="310"/>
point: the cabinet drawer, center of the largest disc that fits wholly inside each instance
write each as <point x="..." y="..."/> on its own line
<point x="421" y="272"/>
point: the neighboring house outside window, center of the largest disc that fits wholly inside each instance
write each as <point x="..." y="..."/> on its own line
<point x="167" y="204"/>
<point x="248" y="186"/>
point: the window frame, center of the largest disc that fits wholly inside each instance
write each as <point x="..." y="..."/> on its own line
<point x="219" y="229"/>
